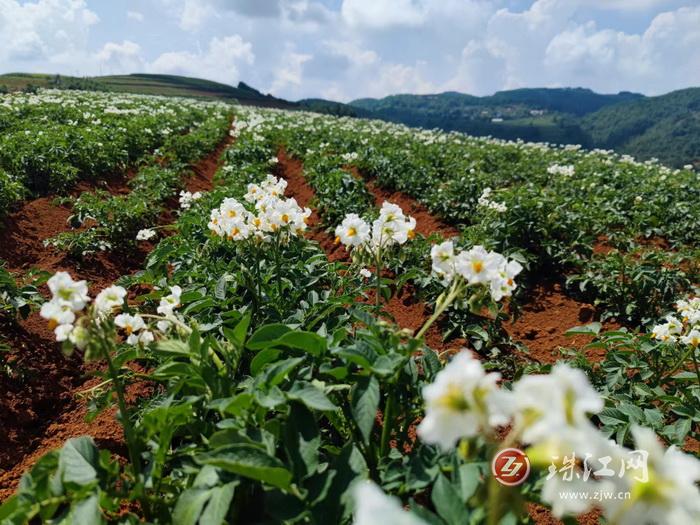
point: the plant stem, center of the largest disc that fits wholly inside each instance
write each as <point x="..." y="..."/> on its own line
<point x="386" y="427"/>
<point x="378" y="276"/>
<point x="695" y="363"/>
<point x="494" y="487"/>
<point x="278" y="268"/>
<point x="442" y="304"/>
<point x="129" y="434"/>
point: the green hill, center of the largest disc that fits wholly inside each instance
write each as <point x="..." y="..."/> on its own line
<point x="169" y="85"/>
<point x="665" y="127"/>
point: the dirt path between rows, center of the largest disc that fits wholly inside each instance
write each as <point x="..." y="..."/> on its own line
<point x="39" y="405"/>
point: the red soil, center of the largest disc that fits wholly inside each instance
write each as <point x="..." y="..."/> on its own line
<point x="545" y="319"/>
<point x="292" y="171"/>
<point x="39" y="407"/>
<point x="426" y="223"/>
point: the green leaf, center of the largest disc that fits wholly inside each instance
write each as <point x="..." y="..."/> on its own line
<point x="78" y="460"/>
<point x="219" y="503"/>
<point x="237" y="335"/>
<point x="262" y="358"/>
<point x="267" y="336"/>
<point x="189" y="506"/>
<point x="589" y="329"/>
<point x="173" y="347"/>
<point x="220" y="289"/>
<point x="312" y="397"/>
<point x="278" y="372"/>
<point x="448" y="503"/>
<point x="250" y="462"/>
<point x="302" y="441"/>
<point x="632" y="411"/>
<point x="87" y="511"/>
<point x="364" y="404"/>
<point x="312" y="343"/>
<point x="469" y="480"/>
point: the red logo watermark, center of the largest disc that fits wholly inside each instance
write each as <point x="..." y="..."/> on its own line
<point x="510" y="467"/>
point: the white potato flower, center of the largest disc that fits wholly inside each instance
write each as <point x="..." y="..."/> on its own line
<point x="459" y="403"/>
<point x="170" y="302"/>
<point x="57" y="313"/>
<point x="69" y="292"/>
<point x="63" y="332"/>
<point x="443" y="259"/>
<point x="477" y="265"/>
<point x="187" y="198"/>
<point x="353" y="231"/>
<point x="503" y="284"/>
<point x="692" y="339"/>
<point x="663" y="487"/>
<point x="110" y="298"/>
<point x="145" y="234"/>
<point x="373" y="507"/>
<point x="544" y="405"/>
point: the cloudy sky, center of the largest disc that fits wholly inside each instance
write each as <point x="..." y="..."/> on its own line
<point x="345" y="49"/>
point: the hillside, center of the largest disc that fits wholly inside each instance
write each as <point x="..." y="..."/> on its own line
<point x="576" y="101"/>
<point x="537" y="115"/>
<point x="666" y="127"/>
<point x="169" y="85"/>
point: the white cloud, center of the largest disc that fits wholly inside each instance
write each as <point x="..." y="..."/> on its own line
<point x="352" y="51"/>
<point x="122" y="57"/>
<point x="43" y="30"/>
<point x="628" y="5"/>
<point x="382" y="14"/>
<point x="545" y="46"/>
<point x="134" y="15"/>
<point x="195" y="14"/>
<point x="289" y="72"/>
<point x="221" y="61"/>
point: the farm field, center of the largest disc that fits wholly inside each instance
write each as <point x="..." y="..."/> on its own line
<point x="221" y="314"/>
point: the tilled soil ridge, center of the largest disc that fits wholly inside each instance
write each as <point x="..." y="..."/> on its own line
<point x="40" y="404"/>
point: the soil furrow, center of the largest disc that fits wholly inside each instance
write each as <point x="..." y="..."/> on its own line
<point x="40" y="407"/>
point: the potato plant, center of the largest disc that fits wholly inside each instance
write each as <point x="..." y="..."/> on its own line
<point x="279" y="397"/>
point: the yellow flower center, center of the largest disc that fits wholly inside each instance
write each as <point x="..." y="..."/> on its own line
<point x="232" y="213"/>
<point x="453" y="399"/>
<point x="352" y="232"/>
<point x="478" y="266"/>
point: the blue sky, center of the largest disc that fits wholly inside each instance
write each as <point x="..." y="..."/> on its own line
<point x="346" y="49"/>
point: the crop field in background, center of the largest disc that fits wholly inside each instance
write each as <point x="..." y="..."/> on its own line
<point x="212" y="313"/>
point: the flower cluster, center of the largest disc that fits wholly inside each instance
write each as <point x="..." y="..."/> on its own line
<point x="68" y="298"/>
<point x="187" y="198"/>
<point x="685" y="330"/>
<point x="486" y="202"/>
<point x="550" y="413"/>
<point x="145" y="234"/>
<point x="273" y="213"/>
<point x="566" y="171"/>
<point x="476" y="266"/>
<point x="71" y="297"/>
<point x="392" y="227"/>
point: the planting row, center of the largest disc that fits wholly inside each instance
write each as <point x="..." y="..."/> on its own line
<point x="52" y="139"/>
<point x="284" y="396"/>
<point x="624" y="233"/>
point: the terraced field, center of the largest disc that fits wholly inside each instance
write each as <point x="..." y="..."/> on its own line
<point x="281" y="317"/>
